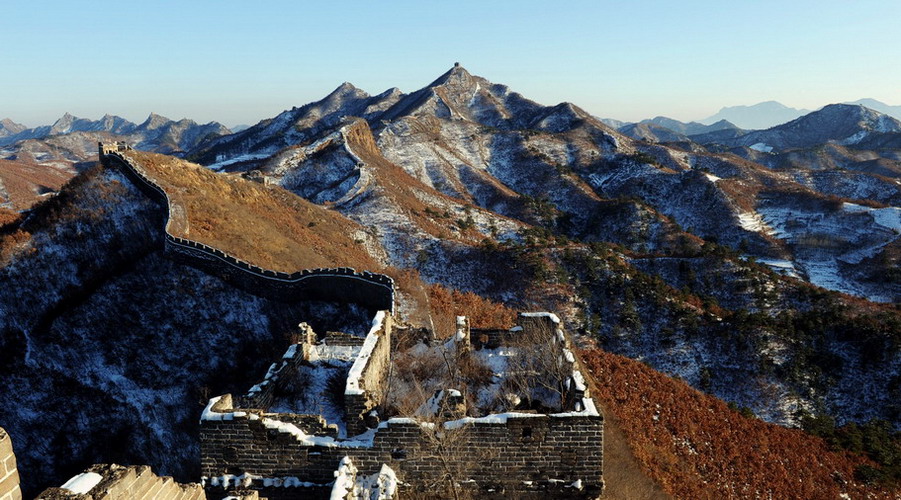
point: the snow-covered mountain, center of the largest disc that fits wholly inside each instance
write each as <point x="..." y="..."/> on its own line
<point x="663" y="129"/>
<point x="463" y="160"/>
<point x="55" y="142"/>
<point x="893" y="111"/>
<point x="845" y="124"/>
<point x="9" y="127"/>
<point x="705" y="263"/>
<point x="758" y="116"/>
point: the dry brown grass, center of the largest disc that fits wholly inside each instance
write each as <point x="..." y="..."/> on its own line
<point x="25" y="181"/>
<point x="447" y="303"/>
<point x="696" y="447"/>
<point x="264" y="225"/>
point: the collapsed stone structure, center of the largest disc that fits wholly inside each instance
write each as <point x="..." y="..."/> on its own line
<point x="522" y="453"/>
<point x="117" y="482"/>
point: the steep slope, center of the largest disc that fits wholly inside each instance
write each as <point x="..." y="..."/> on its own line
<point x="108" y="349"/>
<point x="447" y="156"/>
<point x="562" y="169"/>
<point x="696" y="447"/>
<point x="295" y="126"/>
<point x="9" y="127"/>
<point x="265" y="226"/>
<point x="893" y="111"/>
<point x="22" y="184"/>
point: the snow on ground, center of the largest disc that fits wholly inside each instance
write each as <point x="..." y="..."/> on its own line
<point x="854" y="139"/>
<point x="782" y="266"/>
<point x="82" y="483"/>
<point x="220" y="164"/>
<point x="712" y="177"/>
<point x="889" y="217"/>
<point x="762" y="147"/>
<point x="752" y="221"/>
<point x="312" y="384"/>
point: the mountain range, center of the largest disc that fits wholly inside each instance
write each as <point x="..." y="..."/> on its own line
<point x="156" y="133"/>
<point x="758" y="266"/>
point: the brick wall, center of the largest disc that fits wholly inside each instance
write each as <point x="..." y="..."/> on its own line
<point x="129" y="483"/>
<point x="375" y="291"/>
<point x="9" y="474"/>
<point x="526" y="455"/>
<point x="372" y="385"/>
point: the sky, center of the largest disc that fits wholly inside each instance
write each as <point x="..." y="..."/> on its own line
<point x="238" y="62"/>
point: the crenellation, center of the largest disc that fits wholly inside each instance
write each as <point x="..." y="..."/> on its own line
<point x="337" y="285"/>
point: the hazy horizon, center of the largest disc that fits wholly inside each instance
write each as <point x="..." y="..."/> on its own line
<point x="239" y="63"/>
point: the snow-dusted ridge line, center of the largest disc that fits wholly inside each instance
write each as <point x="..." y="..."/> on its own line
<point x="305" y="279"/>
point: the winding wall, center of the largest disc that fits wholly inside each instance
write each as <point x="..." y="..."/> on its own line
<point x="343" y="284"/>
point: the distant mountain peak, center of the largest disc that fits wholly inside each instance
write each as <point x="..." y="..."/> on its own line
<point x="11" y="126"/>
<point x="455" y="76"/>
<point x="154" y="121"/>
<point x="894" y="111"/>
<point x="758" y="116"/>
<point x="345" y="90"/>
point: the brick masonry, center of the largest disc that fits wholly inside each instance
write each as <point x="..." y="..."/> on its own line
<point x="129" y="483"/>
<point x="9" y="474"/>
<point x="523" y="455"/>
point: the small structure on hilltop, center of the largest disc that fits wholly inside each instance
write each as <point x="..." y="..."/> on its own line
<point x="508" y="414"/>
<point x="105" y="148"/>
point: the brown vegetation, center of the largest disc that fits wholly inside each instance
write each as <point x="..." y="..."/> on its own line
<point x="264" y="225"/>
<point x="695" y="446"/>
<point x="27" y="183"/>
<point x="447" y="303"/>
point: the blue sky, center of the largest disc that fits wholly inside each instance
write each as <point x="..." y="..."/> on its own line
<point x="241" y="61"/>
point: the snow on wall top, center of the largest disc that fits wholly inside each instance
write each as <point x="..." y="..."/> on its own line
<point x="356" y="371"/>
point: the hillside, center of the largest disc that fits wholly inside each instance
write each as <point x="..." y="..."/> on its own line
<point x="706" y="263"/>
<point x="116" y="325"/>
<point x="697" y="447"/>
<point x="22" y="184"/>
<point x="263" y="225"/>
<point x="661" y="253"/>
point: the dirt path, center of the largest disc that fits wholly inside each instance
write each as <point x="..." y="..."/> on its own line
<point x="624" y="478"/>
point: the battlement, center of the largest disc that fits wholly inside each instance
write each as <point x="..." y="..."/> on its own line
<point x="343" y="284"/>
<point x="105" y="148"/>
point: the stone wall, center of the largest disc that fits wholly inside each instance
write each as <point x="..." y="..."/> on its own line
<point x="518" y="455"/>
<point x="9" y="474"/>
<point x="367" y="381"/>
<point x="117" y="482"/>
<point x="372" y="290"/>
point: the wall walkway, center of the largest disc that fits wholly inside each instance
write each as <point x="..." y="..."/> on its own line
<point x="343" y="284"/>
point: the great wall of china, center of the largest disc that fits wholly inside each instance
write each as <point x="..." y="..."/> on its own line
<point x="343" y="284"/>
<point x="249" y="451"/>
